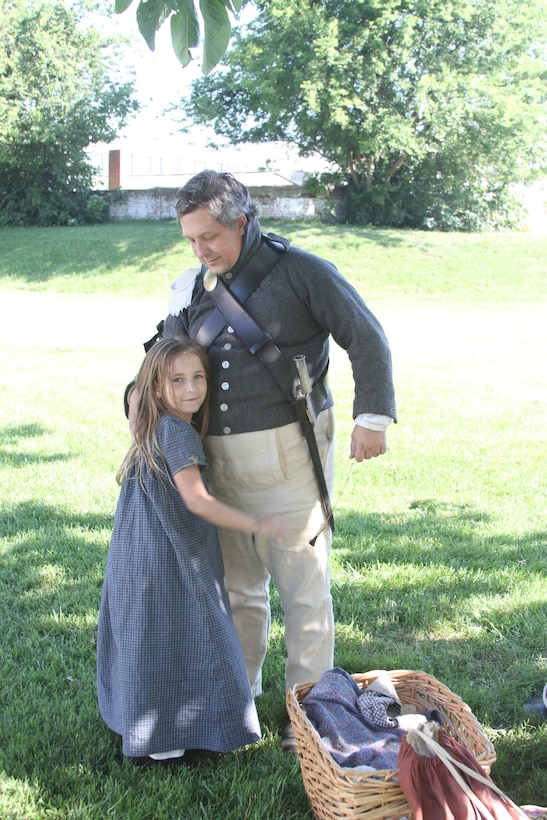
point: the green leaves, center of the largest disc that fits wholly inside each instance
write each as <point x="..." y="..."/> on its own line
<point x="60" y="91"/>
<point x="186" y="19"/>
<point x="121" y="5"/>
<point x="184" y="31"/>
<point x="217" y="32"/>
<point x="401" y="97"/>
<point x="150" y="15"/>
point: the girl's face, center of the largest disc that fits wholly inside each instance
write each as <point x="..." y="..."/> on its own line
<point x="184" y="391"/>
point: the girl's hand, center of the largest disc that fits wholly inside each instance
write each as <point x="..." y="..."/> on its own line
<point x="271" y="527"/>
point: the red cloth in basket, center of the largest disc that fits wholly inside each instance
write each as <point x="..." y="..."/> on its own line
<point x="433" y="791"/>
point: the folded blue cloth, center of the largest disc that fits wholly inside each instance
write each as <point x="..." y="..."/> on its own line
<point x="333" y="706"/>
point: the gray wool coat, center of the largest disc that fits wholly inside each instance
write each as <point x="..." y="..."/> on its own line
<point x="301" y="303"/>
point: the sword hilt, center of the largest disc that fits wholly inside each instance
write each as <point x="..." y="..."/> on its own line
<point x="304" y="386"/>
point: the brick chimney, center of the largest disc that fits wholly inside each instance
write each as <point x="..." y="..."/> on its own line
<point x="114" y="175"/>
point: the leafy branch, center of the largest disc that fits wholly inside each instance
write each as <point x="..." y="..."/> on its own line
<point x="188" y="19"/>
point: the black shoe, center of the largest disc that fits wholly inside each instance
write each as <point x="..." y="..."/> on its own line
<point x="536" y="706"/>
<point x="195" y="757"/>
<point x="190" y="759"/>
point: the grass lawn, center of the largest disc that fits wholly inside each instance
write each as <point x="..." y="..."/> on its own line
<point x="439" y="559"/>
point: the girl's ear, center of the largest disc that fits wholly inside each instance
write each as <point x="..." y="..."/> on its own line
<point x="157" y="390"/>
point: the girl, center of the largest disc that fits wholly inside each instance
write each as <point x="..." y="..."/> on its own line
<point x="170" y="670"/>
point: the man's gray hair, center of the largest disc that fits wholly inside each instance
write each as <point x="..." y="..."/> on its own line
<point x="226" y="199"/>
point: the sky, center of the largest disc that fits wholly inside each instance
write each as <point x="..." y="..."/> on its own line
<point x="160" y="81"/>
<point x="153" y="135"/>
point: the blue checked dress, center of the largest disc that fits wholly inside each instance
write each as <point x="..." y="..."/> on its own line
<point x="170" y="670"/>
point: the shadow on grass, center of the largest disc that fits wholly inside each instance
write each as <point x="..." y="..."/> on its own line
<point x="521" y="764"/>
<point x="39" y="254"/>
<point x="346" y="234"/>
<point x="51" y="574"/>
<point x="429" y="591"/>
<point x="416" y="591"/>
<point x="51" y="535"/>
<point x="449" y="535"/>
<point x="57" y="756"/>
<point x="13" y="434"/>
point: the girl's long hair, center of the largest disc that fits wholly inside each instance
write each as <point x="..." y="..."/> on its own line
<point x="144" y="454"/>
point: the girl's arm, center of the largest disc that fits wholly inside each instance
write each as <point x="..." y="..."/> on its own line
<point x="200" y="502"/>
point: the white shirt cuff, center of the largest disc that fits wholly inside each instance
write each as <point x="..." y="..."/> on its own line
<point x="373" y="421"/>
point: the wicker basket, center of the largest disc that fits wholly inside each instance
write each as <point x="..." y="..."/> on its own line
<point x="336" y="792"/>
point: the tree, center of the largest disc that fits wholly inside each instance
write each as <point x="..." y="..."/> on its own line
<point x="57" y="95"/>
<point x="389" y="92"/>
<point x="185" y="21"/>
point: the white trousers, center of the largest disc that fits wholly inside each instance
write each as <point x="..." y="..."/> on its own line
<point x="270" y="473"/>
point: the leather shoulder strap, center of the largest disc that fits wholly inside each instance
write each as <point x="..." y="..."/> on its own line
<point x="257" y="340"/>
<point x="248" y="279"/>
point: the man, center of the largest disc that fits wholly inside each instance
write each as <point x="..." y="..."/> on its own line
<point x="259" y="459"/>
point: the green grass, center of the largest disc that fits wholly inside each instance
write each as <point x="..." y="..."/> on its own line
<point x="144" y="257"/>
<point x="439" y="560"/>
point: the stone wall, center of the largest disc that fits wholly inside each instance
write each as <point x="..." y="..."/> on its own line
<point x="274" y="202"/>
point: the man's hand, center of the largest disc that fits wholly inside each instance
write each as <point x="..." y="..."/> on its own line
<point x="367" y="443"/>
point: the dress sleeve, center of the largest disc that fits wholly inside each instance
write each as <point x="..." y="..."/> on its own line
<point x="180" y="444"/>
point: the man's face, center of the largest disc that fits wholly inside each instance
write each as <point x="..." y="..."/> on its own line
<point x="217" y="247"/>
